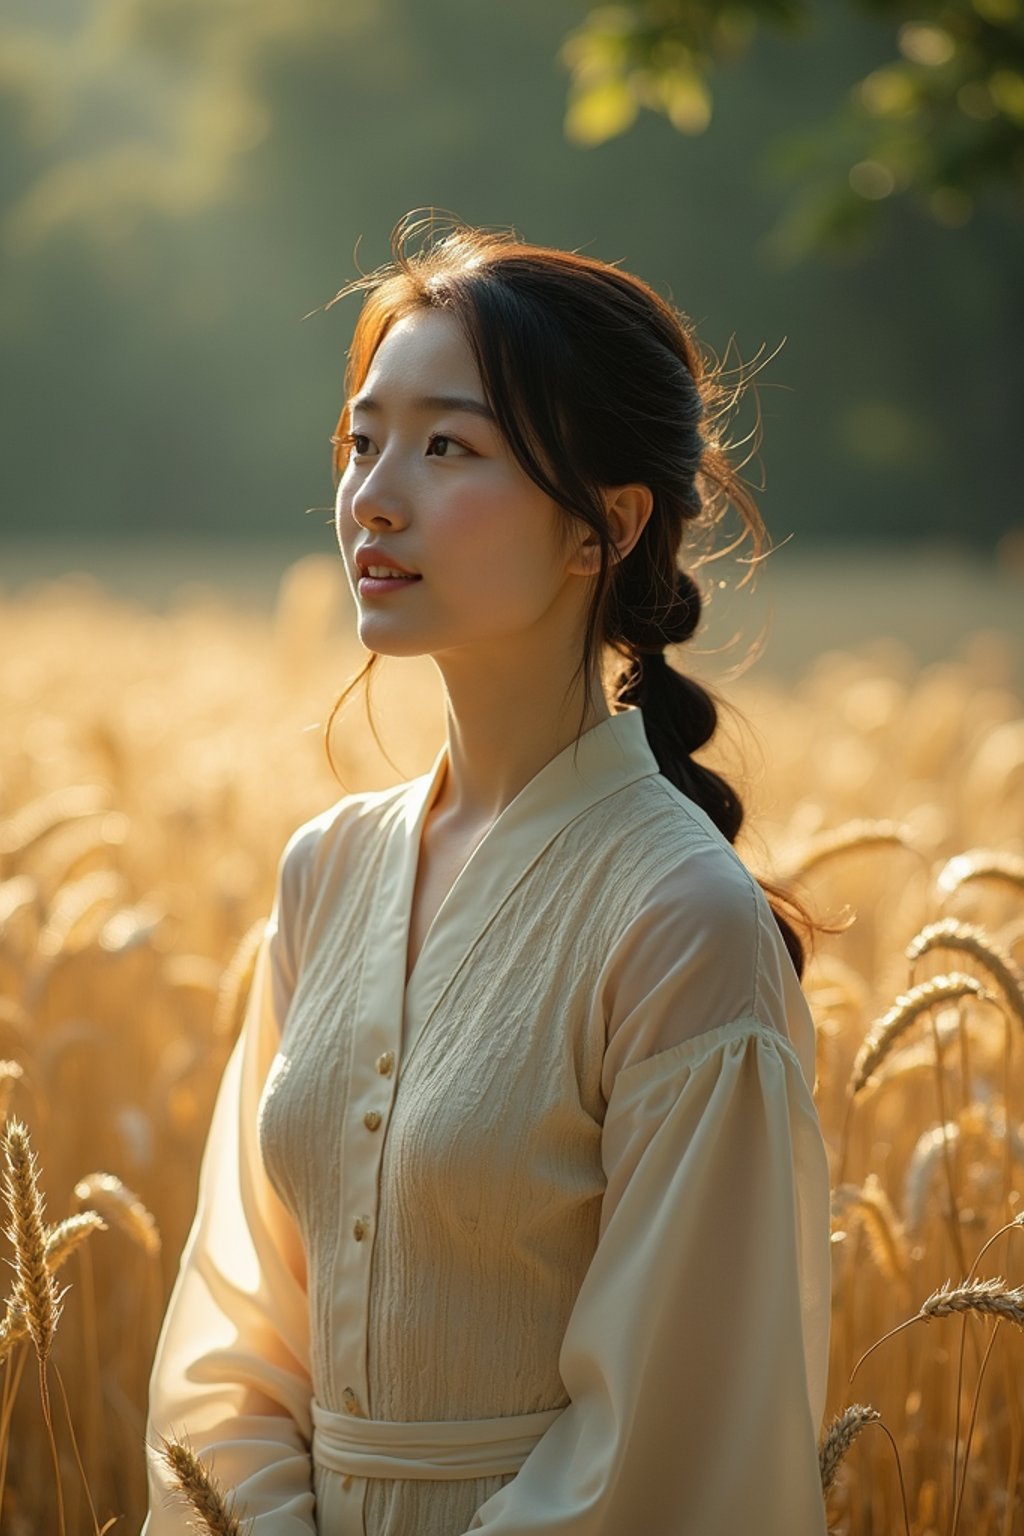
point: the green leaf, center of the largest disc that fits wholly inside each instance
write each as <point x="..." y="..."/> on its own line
<point x="686" y="100"/>
<point x="599" y="111"/>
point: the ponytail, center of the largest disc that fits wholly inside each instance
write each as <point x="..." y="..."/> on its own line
<point x="680" y="715"/>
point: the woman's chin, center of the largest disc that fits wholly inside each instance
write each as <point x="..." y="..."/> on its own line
<point x="386" y="640"/>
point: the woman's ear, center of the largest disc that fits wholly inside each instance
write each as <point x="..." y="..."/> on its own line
<point x="627" y="508"/>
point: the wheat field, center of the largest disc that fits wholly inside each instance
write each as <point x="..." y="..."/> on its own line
<point x="151" y="769"/>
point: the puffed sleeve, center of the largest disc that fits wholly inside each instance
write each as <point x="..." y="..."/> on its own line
<point x="231" y="1368"/>
<point x="695" y="1357"/>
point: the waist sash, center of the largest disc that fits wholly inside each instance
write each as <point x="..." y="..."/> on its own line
<point x="425" y="1448"/>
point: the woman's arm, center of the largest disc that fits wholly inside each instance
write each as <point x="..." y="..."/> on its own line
<point x="231" y="1370"/>
<point x="696" y="1354"/>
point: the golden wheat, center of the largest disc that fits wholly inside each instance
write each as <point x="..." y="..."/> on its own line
<point x="200" y="1488"/>
<point x="120" y="1206"/>
<point x="909" y="1006"/>
<point x="132" y="1014"/>
<point x="65" y="1237"/>
<point x="11" y="1073"/>
<point x="871" y="1207"/>
<point x="34" y="820"/>
<point x="993" y="1297"/>
<point x="968" y="938"/>
<point x="981" y="864"/>
<point x="35" y="1288"/>
<point x="61" y="1242"/>
<point x="839" y="1436"/>
<point x="84" y="902"/>
<point x="858" y="835"/>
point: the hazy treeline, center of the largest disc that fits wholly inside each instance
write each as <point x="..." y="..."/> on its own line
<point x="181" y="184"/>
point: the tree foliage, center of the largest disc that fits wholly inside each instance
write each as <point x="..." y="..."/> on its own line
<point x="940" y="121"/>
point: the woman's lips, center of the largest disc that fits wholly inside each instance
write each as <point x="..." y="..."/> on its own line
<point x="378" y="586"/>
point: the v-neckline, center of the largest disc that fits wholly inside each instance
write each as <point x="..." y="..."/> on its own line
<point x="437" y="781"/>
<point x="609" y="756"/>
<point x="436" y="777"/>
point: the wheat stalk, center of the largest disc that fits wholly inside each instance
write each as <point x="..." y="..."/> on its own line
<point x="69" y="1234"/>
<point x="857" y="834"/>
<point x="972" y="940"/>
<point x="981" y="864"/>
<point x="974" y="1123"/>
<point x="34" y="820"/>
<point x="201" y="1489"/>
<point x="908" y="1006"/>
<point x="993" y="1297"/>
<point x="120" y="1206"/>
<point x="35" y="1287"/>
<point x="11" y="1072"/>
<point x="18" y="892"/>
<point x="61" y="1242"/>
<point x="13" y="1327"/>
<point x="71" y="849"/>
<point x="131" y="927"/>
<point x="74" y="903"/>
<point x="886" y="1240"/>
<point x="841" y="1434"/>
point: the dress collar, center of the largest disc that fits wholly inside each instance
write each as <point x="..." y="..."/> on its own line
<point x="606" y="758"/>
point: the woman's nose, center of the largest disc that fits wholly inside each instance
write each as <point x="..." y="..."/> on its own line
<point x="378" y="500"/>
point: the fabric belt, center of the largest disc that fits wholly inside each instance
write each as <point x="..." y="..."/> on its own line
<point x="425" y="1448"/>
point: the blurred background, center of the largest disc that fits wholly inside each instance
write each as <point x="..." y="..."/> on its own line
<point x="833" y="191"/>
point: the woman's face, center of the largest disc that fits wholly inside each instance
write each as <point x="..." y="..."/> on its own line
<point x="430" y="483"/>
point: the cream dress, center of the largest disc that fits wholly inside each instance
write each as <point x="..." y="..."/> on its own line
<point x="537" y="1245"/>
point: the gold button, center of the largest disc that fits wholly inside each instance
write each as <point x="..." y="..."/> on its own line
<point x="386" y="1063"/>
<point x="371" y="1119"/>
<point x="359" y="1228"/>
<point x="351" y="1403"/>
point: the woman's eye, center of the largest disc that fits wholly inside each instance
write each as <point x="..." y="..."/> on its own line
<point x="351" y="444"/>
<point x="447" y="444"/>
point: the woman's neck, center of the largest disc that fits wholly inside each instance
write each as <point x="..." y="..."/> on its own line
<point x="503" y="727"/>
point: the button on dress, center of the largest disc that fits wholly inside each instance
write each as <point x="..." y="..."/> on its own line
<point x="537" y="1244"/>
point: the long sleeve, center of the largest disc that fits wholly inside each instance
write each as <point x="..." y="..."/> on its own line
<point x="231" y="1368"/>
<point x="695" y="1357"/>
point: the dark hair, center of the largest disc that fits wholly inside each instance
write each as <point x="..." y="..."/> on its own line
<point x="595" y="381"/>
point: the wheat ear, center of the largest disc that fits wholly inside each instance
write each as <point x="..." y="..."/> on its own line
<point x="841" y="1434"/>
<point x="887" y="1030"/>
<point x="61" y="1241"/>
<point x="121" y="1207"/>
<point x="200" y="1488"/>
<point x="870" y="1205"/>
<point x="67" y="1235"/>
<point x="993" y="1297"/>
<point x="981" y="864"/>
<point x="969" y="939"/>
<point x="35" y="1288"/>
<point x="34" y="820"/>
<point x="858" y="834"/>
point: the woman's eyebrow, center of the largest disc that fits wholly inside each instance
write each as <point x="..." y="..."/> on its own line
<point x="431" y="403"/>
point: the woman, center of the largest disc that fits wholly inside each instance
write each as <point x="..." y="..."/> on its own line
<point x="513" y="1216"/>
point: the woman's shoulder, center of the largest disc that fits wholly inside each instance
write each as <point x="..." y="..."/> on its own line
<point x="680" y="863"/>
<point x="699" y="943"/>
<point x="341" y="829"/>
